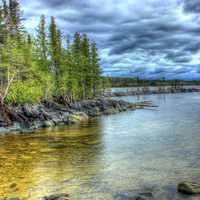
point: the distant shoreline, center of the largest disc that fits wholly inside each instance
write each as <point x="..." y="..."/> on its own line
<point x="146" y="91"/>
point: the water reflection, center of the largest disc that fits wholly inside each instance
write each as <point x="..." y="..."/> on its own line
<point x="48" y="162"/>
<point x="121" y="153"/>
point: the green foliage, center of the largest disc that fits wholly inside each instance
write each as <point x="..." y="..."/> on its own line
<point x="43" y="67"/>
<point x="24" y="92"/>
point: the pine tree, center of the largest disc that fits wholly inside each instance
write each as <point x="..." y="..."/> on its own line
<point x="28" y="52"/>
<point x="32" y="69"/>
<point x="76" y="65"/>
<point x="85" y="66"/>
<point x="1" y="26"/>
<point x="42" y="44"/>
<point x="15" y="18"/>
<point x="3" y="19"/>
<point x="95" y="69"/>
<point x="55" y="51"/>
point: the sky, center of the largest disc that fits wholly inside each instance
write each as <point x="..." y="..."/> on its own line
<point x="146" y="38"/>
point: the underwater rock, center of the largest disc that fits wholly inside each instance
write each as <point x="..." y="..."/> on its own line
<point x="57" y="197"/>
<point x="147" y="194"/>
<point x="13" y="198"/>
<point x="140" y="198"/>
<point x="189" y="188"/>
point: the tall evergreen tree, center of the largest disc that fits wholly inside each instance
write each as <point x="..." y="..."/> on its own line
<point x="76" y="60"/>
<point x="95" y="68"/>
<point x="42" y="44"/>
<point x="85" y="66"/>
<point x="42" y="67"/>
<point x="15" y="17"/>
<point x="55" y="50"/>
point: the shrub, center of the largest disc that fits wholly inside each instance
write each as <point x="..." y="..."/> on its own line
<point x="21" y="92"/>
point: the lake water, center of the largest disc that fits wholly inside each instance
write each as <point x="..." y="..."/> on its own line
<point x="111" y="157"/>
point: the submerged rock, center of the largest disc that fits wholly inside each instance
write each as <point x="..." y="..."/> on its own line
<point x="189" y="188"/>
<point x="77" y="117"/>
<point x="13" y="198"/>
<point x="139" y="198"/>
<point x="57" y="146"/>
<point x="57" y="197"/>
<point x="122" y="196"/>
<point x="147" y="194"/>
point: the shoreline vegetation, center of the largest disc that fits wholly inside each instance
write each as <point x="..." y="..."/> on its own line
<point x="138" y="82"/>
<point x="46" y="66"/>
<point x="28" y="118"/>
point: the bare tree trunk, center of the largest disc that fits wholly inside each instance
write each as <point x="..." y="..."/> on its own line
<point x="3" y="96"/>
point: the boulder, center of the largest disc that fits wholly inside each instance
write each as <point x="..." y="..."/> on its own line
<point x="57" y="197"/>
<point x="147" y="194"/>
<point x="78" y="117"/>
<point x="139" y="198"/>
<point x="48" y="124"/>
<point x="189" y="187"/>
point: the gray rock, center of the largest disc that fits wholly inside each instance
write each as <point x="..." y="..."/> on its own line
<point x="189" y="188"/>
<point x="48" y="124"/>
<point x="147" y="194"/>
<point x="139" y="198"/>
<point x="57" y="145"/>
<point x="57" y="197"/>
<point x="122" y="196"/>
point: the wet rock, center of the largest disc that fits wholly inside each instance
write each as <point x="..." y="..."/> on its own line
<point x="139" y="198"/>
<point x="57" y="197"/>
<point x="30" y="111"/>
<point x="77" y="117"/>
<point x="27" y="118"/>
<point x="189" y="187"/>
<point x="57" y="146"/>
<point x="147" y="194"/>
<point x="122" y="196"/>
<point x="13" y="198"/>
<point x="13" y="185"/>
<point x="48" y="124"/>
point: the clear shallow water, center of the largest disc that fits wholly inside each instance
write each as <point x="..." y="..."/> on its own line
<point x="112" y="156"/>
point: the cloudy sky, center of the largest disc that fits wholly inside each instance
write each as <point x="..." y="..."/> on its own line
<point x="146" y="38"/>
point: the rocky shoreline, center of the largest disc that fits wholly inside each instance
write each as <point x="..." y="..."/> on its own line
<point x="147" y="91"/>
<point x="27" y="118"/>
<point x="184" y="189"/>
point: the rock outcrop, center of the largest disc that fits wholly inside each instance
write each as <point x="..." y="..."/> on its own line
<point x="189" y="188"/>
<point x="28" y="117"/>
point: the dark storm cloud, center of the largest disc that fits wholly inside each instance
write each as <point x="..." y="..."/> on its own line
<point x="57" y="4"/>
<point x="192" y="6"/>
<point x="151" y="38"/>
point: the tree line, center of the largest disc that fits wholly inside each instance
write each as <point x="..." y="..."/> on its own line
<point x="139" y="82"/>
<point x="47" y="65"/>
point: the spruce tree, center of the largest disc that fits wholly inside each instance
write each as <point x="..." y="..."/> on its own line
<point x="76" y="60"/>
<point x="55" y="50"/>
<point x="95" y="69"/>
<point x="85" y="66"/>
<point x="14" y="18"/>
<point x="42" y="44"/>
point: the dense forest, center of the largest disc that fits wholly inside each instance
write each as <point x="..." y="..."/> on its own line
<point x="134" y="82"/>
<point x="47" y="65"/>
